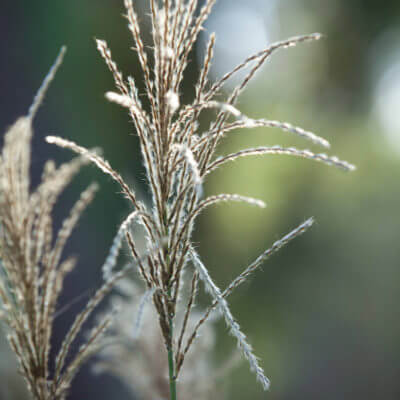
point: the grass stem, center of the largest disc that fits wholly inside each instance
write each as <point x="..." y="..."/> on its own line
<point x="171" y="363"/>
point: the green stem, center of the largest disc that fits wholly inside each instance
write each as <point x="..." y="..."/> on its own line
<point x="171" y="363"/>
<point x="172" y="378"/>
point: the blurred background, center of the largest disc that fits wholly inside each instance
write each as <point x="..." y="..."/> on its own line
<point x="322" y="314"/>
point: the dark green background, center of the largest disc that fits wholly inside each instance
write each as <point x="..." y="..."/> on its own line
<point x="323" y="315"/>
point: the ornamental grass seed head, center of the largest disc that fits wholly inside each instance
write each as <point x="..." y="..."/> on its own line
<point x="178" y="156"/>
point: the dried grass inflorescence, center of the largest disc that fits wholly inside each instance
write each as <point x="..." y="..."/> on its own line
<point x="178" y="157"/>
<point x="31" y="270"/>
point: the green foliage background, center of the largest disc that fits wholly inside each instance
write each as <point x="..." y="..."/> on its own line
<point x="323" y="314"/>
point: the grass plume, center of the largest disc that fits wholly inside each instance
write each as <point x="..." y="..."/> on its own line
<point x="31" y="270"/>
<point x="177" y="157"/>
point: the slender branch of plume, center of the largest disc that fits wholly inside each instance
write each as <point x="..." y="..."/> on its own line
<point x="232" y="325"/>
<point x="302" y="228"/>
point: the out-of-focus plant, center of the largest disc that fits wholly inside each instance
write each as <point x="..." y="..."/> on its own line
<point x="31" y="271"/>
<point x="134" y="350"/>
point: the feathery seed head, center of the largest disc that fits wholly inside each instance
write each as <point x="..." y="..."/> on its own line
<point x="177" y="158"/>
<point x="31" y="273"/>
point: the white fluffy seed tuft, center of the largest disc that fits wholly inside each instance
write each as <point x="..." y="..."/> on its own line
<point x="120" y="99"/>
<point x="172" y="100"/>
